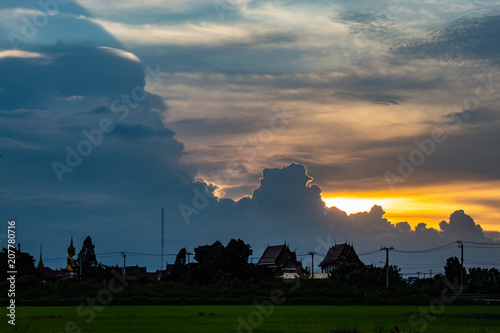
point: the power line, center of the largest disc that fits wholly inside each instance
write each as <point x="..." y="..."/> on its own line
<point x="481" y="243"/>
<point x="148" y="254"/>
<point x="480" y="262"/>
<point x="409" y="266"/>
<point x="366" y="253"/>
<point x="482" y="247"/>
<point x="435" y="249"/>
<point x="113" y="254"/>
<point x="413" y="273"/>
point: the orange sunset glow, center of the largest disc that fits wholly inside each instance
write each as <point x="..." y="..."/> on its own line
<point x="429" y="205"/>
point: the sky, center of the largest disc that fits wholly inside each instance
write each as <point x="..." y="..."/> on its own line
<point x="311" y="123"/>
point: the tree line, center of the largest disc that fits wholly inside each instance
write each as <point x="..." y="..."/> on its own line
<point x="217" y="264"/>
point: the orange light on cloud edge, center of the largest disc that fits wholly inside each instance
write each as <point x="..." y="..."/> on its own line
<point x="352" y="205"/>
<point x="429" y="205"/>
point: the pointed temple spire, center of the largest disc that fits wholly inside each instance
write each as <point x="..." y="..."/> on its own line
<point x="40" y="262"/>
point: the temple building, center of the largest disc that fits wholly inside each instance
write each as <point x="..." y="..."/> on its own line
<point x="337" y="255"/>
<point x="40" y="262"/>
<point x="280" y="256"/>
<point x="71" y="263"/>
<point x="47" y="273"/>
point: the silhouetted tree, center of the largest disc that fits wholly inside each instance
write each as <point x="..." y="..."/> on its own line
<point x="24" y="264"/>
<point x="211" y="263"/>
<point x="452" y="270"/>
<point x="368" y="277"/>
<point x="483" y="280"/>
<point x="219" y="263"/>
<point x="237" y="254"/>
<point x="180" y="269"/>
<point x="87" y="259"/>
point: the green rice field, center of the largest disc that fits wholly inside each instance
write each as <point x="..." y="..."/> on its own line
<point x="251" y="318"/>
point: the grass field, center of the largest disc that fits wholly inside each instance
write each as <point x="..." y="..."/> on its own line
<point x="225" y="319"/>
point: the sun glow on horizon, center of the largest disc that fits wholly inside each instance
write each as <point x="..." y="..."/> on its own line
<point x="352" y="205"/>
<point x="428" y="204"/>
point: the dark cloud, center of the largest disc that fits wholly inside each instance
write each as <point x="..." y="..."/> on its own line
<point x="473" y="117"/>
<point x="403" y="226"/>
<point x="354" y="16"/>
<point x="140" y="131"/>
<point x="96" y="72"/>
<point x="25" y="83"/>
<point x="491" y="203"/>
<point x="462" y="225"/>
<point x="93" y="72"/>
<point x="375" y="97"/>
<point x="18" y="114"/>
<point x="464" y="39"/>
<point x="68" y="28"/>
<point x="376" y="23"/>
<point x="101" y="110"/>
<point x="495" y="235"/>
<point x="121" y="183"/>
<point x="283" y="185"/>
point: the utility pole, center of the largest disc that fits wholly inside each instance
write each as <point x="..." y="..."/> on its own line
<point x="162" y="230"/>
<point x="430" y="273"/>
<point x="387" y="264"/>
<point x="461" y="247"/>
<point x="123" y="255"/>
<point x="312" y="253"/>
<point x="189" y="254"/>
<point x="418" y="275"/>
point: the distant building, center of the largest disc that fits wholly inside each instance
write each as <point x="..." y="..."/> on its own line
<point x="141" y="274"/>
<point x="337" y="255"/>
<point x="47" y="273"/>
<point x="280" y="256"/>
<point x="165" y="272"/>
<point x="40" y="261"/>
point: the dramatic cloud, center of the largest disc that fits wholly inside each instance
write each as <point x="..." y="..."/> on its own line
<point x="288" y="205"/>
<point x="461" y="225"/>
<point x="110" y="110"/>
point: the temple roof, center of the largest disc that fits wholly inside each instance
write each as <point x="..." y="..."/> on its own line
<point x="271" y="254"/>
<point x="339" y="254"/>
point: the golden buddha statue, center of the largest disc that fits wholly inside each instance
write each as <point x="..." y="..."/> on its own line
<point x="70" y="260"/>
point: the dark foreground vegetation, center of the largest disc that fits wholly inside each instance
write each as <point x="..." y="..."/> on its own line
<point x="223" y="275"/>
<point x="314" y="292"/>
